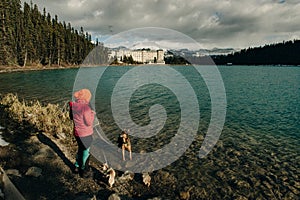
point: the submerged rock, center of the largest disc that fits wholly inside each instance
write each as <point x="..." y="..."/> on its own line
<point x="43" y="153"/>
<point x="184" y="195"/>
<point x="127" y="176"/>
<point x="13" y="172"/>
<point x="114" y="197"/>
<point x="34" y="171"/>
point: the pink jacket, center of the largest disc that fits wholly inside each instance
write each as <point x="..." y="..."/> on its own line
<point x="83" y="118"/>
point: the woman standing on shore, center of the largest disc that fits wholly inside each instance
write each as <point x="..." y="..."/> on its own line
<point x="83" y="117"/>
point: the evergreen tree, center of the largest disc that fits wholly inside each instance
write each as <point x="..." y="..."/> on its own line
<point x="28" y="37"/>
<point x="285" y="53"/>
<point x="6" y="33"/>
<point x="28" y="49"/>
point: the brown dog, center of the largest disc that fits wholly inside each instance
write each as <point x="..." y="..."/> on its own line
<point x="111" y="174"/>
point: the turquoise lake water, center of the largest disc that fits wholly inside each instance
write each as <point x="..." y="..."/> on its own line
<point x="258" y="153"/>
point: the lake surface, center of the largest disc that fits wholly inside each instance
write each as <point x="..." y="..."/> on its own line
<point x="257" y="155"/>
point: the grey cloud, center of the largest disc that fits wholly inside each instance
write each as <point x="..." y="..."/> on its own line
<point x="215" y="22"/>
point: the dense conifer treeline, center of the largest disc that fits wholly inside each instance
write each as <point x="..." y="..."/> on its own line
<point x="29" y="37"/>
<point x="285" y="53"/>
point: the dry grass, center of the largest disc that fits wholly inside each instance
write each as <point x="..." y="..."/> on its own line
<point x="50" y="118"/>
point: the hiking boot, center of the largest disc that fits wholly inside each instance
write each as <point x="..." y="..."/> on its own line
<point x="75" y="170"/>
<point x="86" y="173"/>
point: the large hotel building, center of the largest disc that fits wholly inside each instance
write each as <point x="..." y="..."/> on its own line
<point x="145" y="56"/>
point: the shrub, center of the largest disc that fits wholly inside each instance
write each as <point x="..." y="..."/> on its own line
<point x="50" y="118"/>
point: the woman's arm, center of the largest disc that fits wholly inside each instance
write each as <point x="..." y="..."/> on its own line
<point x="88" y="116"/>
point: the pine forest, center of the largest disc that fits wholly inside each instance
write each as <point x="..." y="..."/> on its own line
<point x="30" y="37"/>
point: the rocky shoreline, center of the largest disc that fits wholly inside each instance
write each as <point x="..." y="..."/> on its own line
<point x="41" y="152"/>
<point x="10" y="69"/>
<point x="243" y="165"/>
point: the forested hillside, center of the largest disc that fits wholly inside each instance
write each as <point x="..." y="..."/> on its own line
<point x="285" y="53"/>
<point x="31" y="37"/>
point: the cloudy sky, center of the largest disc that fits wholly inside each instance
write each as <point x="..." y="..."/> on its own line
<point x="212" y="23"/>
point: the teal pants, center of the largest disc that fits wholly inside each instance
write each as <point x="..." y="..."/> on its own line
<point x="83" y="153"/>
<point x="81" y="160"/>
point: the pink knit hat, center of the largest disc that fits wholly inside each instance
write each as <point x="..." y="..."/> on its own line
<point x="83" y="94"/>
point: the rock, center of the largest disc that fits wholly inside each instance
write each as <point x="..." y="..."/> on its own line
<point x="242" y="184"/>
<point x="114" y="197"/>
<point x="240" y="197"/>
<point x="129" y="164"/>
<point x="43" y="153"/>
<point x="61" y="136"/>
<point x="237" y="153"/>
<point x="34" y="171"/>
<point x="165" y="178"/>
<point x="2" y="141"/>
<point x="267" y="184"/>
<point x="290" y="195"/>
<point x="184" y="195"/>
<point x="13" y="172"/>
<point x="294" y="190"/>
<point x="284" y="178"/>
<point x="220" y="175"/>
<point x="127" y="176"/>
